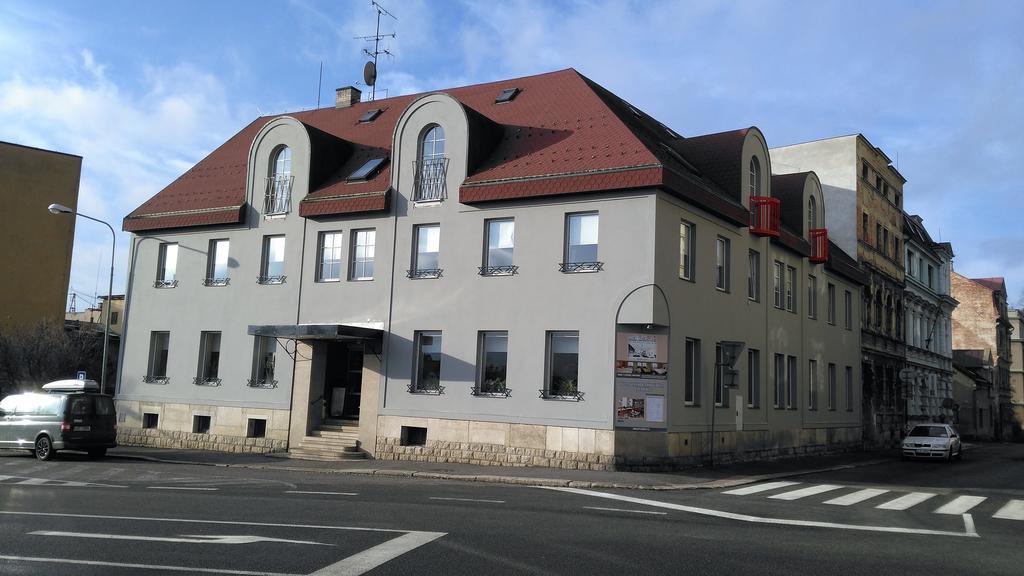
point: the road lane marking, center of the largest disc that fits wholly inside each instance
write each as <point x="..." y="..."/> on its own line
<point x="969" y="525"/>
<point x="624" y="510"/>
<point x="184" y="539"/>
<point x="33" y="482"/>
<point x="906" y="501"/>
<point x="369" y="559"/>
<point x="199" y="521"/>
<point x="856" y="497"/>
<point x="182" y="488"/>
<point x="2" y="478"/>
<point x="323" y="493"/>
<point x="759" y="519"/>
<point x="468" y="500"/>
<point x="805" y="492"/>
<point x="164" y="568"/>
<point x="759" y="488"/>
<point x="961" y="505"/>
<point x="1013" y="510"/>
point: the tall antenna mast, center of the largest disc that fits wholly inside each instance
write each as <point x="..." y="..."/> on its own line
<point x="370" y="70"/>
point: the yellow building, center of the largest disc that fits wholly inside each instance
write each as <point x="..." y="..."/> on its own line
<point x="35" y="246"/>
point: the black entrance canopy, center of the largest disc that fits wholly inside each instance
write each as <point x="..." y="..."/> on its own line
<point x="315" y="331"/>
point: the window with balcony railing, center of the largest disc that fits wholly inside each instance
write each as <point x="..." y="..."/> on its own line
<point x="278" y="194"/>
<point x="431" y="166"/>
<point x="764" y="215"/>
<point x="819" y="245"/>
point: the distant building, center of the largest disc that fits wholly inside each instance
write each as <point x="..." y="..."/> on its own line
<point x="976" y="400"/>
<point x="35" y="246"/>
<point x="981" y="322"/>
<point x="94" y="318"/>
<point x="1017" y="369"/>
<point x="864" y="207"/>
<point x="929" y="307"/>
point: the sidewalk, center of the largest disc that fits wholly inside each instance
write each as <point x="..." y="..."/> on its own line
<point x="697" y="478"/>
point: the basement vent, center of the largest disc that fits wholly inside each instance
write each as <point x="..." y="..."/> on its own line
<point x="370" y="116"/>
<point x="506" y="95"/>
<point x="414" y="436"/>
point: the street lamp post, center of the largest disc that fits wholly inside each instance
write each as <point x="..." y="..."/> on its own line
<point x="61" y="209"/>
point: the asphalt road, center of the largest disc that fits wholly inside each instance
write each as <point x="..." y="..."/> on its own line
<point x="114" y="517"/>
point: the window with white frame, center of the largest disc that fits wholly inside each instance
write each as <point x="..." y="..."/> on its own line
<point x="563" y="365"/>
<point x="209" y="359"/>
<point x="755" y="176"/>
<point x="427" y="369"/>
<point x="363" y="247"/>
<point x="167" y="266"/>
<point x="812" y="214"/>
<point x="426" y="259"/>
<point x="264" y="362"/>
<point x="753" y="378"/>
<point x="722" y="264"/>
<point x="328" y="268"/>
<point x="581" y="233"/>
<point x="217" y="264"/>
<point x="831" y="303"/>
<point x="849" y="388"/>
<point x="791" y="381"/>
<point x="812" y="384"/>
<point x="159" y="349"/>
<point x="686" y="253"/>
<point x="691" y="385"/>
<point x="754" y="276"/>
<point x="500" y="240"/>
<point x="778" y="272"/>
<point x="780" y="380"/>
<point x="431" y="166"/>
<point x="791" y="289"/>
<point x="272" y="261"/>
<point x="848" y="309"/>
<point x="277" y="199"/>
<point x="492" y="364"/>
<point x="831" y="386"/>
<point x="812" y="296"/>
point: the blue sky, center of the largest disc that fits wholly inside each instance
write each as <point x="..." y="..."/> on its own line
<point x="143" y="90"/>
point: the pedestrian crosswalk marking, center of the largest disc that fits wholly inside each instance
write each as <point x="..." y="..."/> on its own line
<point x="805" y="492"/>
<point x="1013" y="510"/>
<point x="857" y="497"/>
<point x="906" y="501"/>
<point x="760" y="488"/>
<point x="961" y="505"/>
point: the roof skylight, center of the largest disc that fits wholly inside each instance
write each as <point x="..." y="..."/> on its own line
<point x="370" y="115"/>
<point x="506" y="95"/>
<point x="368" y="169"/>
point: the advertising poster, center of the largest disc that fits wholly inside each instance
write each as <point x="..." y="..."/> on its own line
<point x="641" y="380"/>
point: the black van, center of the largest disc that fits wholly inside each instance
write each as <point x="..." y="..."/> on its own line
<point x="69" y="415"/>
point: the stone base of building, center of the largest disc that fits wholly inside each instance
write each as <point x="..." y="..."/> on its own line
<point x="231" y="428"/>
<point x="497" y="444"/>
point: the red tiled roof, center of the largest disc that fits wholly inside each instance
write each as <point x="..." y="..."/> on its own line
<point x="561" y="134"/>
<point x="997" y="284"/>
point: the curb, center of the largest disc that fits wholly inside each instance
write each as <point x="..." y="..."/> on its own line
<point x="517" y="480"/>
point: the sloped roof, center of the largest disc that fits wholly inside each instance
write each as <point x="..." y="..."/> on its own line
<point x="997" y="284"/>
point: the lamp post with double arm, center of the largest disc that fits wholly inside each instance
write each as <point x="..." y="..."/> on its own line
<point x="61" y="209"/>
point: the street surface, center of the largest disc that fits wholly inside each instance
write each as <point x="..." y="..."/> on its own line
<point x="120" y="517"/>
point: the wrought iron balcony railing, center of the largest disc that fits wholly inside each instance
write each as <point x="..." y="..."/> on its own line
<point x="205" y="381"/>
<point x="573" y="267"/>
<point x="424" y="273"/>
<point x="429" y="181"/>
<point x="261" y="383"/>
<point x="155" y="379"/>
<point x="279" y="279"/>
<point x="165" y="284"/>
<point x="425" y="388"/>
<point x="498" y="270"/>
<point x="216" y="281"/>
<point x="278" y="196"/>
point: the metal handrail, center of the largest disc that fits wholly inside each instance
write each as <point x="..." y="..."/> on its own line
<point x="278" y="195"/>
<point x="430" y="179"/>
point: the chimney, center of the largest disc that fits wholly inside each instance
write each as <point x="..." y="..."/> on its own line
<point x="347" y="96"/>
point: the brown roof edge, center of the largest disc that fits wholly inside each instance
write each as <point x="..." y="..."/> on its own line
<point x="350" y="204"/>
<point x="184" y="219"/>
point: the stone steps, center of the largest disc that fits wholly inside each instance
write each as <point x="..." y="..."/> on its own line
<point x="325" y="456"/>
<point x="333" y="440"/>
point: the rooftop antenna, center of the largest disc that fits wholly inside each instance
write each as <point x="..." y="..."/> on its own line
<point x="370" y="69"/>
<point x="319" y="84"/>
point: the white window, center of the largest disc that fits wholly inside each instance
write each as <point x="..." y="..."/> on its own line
<point x="777" y="283"/>
<point x="217" y="264"/>
<point x="686" y="251"/>
<point x="754" y="276"/>
<point x="691" y="388"/>
<point x="722" y="264"/>
<point x="812" y="214"/>
<point x="167" y="266"/>
<point x="791" y="289"/>
<point x="431" y="166"/>
<point x="492" y="364"/>
<point x="328" y="267"/>
<point x="753" y="378"/>
<point x="812" y="296"/>
<point x="363" y="245"/>
<point x="831" y="386"/>
<point x="812" y="384"/>
<point x="279" y="182"/>
<point x="563" y="365"/>
<point x="427" y="371"/>
<point x="272" y="263"/>
<point x="755" y="176"/>
<point x="832" y="303"/>
<point x="501" y="240"/>
<point x="264" y="362"/>
<point x="427" y="257"/>
<point x="581" y="231"/>
<point x="159" y="347"/>
<point x="209" y="359"/>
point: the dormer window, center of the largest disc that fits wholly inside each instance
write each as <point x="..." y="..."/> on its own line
<point x="431" y="166"/>
<point x="755" y="176"/>
<point x="279" y="183"/>
<point x="812" y="214"/>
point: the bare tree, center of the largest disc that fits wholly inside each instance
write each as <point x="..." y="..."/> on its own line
<point x="31" y="356"/>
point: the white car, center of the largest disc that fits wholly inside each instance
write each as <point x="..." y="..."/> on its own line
<point x="932" y="441"/>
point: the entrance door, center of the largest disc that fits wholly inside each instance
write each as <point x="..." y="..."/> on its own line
<point x="343" y="381"/>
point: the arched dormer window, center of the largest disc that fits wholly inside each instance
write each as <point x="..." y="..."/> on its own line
<point x="279" y="182"/>
<point x="812" y="214"/>
<point x="431" y="166"/>
<point x="755" y="176"/>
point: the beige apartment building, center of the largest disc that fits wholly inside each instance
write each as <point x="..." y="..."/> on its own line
<point x="1016" y="317"/>
<point x="37" y="246"/>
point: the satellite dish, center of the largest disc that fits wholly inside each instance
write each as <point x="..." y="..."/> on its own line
<point x="370" y="73"/>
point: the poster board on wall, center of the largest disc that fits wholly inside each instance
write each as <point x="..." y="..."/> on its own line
<point x="641" y="380"/>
